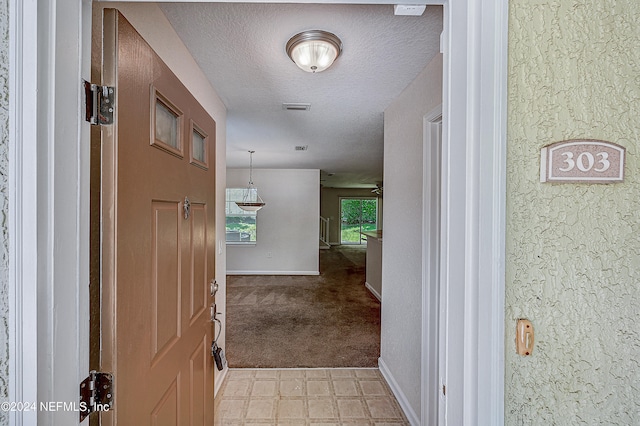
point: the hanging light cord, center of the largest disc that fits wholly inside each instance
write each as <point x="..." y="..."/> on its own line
<point x="248" y="203"/>
<point x="251" y="168"/>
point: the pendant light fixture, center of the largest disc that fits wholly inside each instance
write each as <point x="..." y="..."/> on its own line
<point x="314" y="50"/>
<point x="251" y="201"/>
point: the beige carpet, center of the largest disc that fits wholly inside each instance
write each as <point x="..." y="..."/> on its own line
<point x="330" y="320"/>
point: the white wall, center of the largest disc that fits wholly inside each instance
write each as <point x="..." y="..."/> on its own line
<point x="154" y="27"/>
<point x="288" y="226"/>
<point x="402" y="223"/>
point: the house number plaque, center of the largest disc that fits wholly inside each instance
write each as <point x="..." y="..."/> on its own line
<point x="582" y="161"/>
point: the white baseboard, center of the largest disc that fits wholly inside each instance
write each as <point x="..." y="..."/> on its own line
<point x="414" y="420"/>
<point x="373" y="291"/>
<point x="273" y="272"/>
<point x="220" y="381"/>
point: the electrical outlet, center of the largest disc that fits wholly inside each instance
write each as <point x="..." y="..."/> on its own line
<point x="269" y="255"/>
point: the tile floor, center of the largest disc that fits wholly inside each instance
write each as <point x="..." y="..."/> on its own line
<point x="310" y="397"/>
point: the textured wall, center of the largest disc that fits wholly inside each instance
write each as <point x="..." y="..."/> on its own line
<point x="4" y="237"/>
<point x="573" y="251"/>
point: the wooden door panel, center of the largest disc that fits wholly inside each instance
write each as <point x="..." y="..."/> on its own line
<point x="166" y="280"/>
<point x="166" y="412"/>
<point x="197" y="383"/>
<point x="158" y="335"/>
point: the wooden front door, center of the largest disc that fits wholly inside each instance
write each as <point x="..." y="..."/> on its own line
<point x="158" y="192"/>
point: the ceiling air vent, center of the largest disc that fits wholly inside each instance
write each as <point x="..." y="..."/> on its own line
<point x="291" y="106"/>
<point x="302" y="147"/>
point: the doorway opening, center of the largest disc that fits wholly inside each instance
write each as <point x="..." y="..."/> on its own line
<point x="357" y="215"/>
<point x="486" y="41"/>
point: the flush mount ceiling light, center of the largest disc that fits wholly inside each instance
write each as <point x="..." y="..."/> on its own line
<point x="251" y="201"/>
<point x="314" y="50"/>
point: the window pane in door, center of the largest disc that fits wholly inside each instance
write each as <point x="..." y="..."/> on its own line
<point x="166" y="125"/>
<point x="369" y="215"/>
<point x="198" y="142"/>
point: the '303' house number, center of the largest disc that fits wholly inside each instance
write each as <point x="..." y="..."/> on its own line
<point x="591" y="161"/>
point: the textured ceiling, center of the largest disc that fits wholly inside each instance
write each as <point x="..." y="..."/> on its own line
<point x="241" y="49"/>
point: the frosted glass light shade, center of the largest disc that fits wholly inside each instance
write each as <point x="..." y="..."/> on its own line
<point x="250" y="207"/>
<point x="314" y="50"/>
<point x="251" y="201"/>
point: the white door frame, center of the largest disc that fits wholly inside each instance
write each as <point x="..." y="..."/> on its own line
<point x="474" y="145"/>
<point x="431" y="249"/>
<point x="473" y="198"/>
<point x="49" y="206"/>
<point x="22" y="185"/>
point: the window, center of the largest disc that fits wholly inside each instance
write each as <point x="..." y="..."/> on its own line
<point x="240" y="224"/>
<point x="356" y="216"/>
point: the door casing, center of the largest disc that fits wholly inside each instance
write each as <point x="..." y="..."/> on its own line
<point x="433" y="325"/>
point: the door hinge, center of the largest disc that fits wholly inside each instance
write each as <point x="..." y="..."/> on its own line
<point x="99" y="103"/>
<point x="96" y="393"/>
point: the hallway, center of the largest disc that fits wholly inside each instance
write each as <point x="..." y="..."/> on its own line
<point x="306" y="397"/>
<point x="325" y="321"/>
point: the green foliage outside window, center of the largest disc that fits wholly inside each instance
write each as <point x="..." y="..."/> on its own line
<point x="356" y="211"/>
<point x="357" y="215"/>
